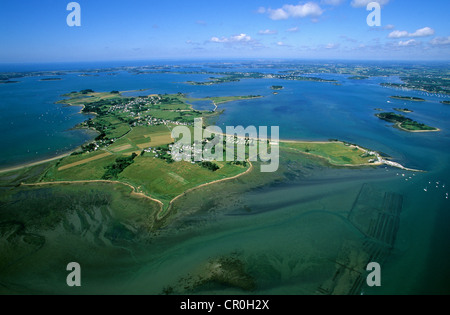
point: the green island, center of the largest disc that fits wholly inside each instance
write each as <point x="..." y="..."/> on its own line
<point x="404" y="123"/>
<point x="358" y="77"/>
<point x="228" y="78"/>
<point x="403" y="110"/>
<point x="408" y="98"/>
<point x="277" y="87"/>
<point x="445" y="102"/>
<point x="51" y="79"/>
<point x="134" y="142"/>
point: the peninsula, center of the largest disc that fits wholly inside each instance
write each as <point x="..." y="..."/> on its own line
<point x="135" y="140"/>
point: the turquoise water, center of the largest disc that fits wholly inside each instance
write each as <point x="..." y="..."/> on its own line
<point x="33" y="128"/>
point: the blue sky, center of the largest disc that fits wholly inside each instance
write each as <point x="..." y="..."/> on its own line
<point x="36" y="30"/>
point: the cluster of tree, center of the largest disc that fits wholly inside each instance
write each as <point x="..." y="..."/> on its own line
<point x="113" y="170"/>
<point x="87" y="91"/>
<point x="276" y="87"/>
<point x="243" y="163"/>
<point x="88" y="147"/>
<point x="101" y="136"/>
<point x="210" y="166"/>
<point x="393" y="117"/>
<point x="164" y="154"/>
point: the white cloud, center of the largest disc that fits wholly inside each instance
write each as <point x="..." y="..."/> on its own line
<point x="278" y="14"/>
<point x="364" y="3"/>
<point x="440" y="41"/>
<point x="309" y="9"/>
<point x="398" y="34"/>
<point x="410" y="42"/>
<point x="236" y="39"/>
<point x="389" y="27"/>
<point x="423" y="32"/>
<point x="267" y="32"/>
<point x="293" y="29"/>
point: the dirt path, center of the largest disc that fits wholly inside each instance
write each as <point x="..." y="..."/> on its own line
<point x="82" y="162"/>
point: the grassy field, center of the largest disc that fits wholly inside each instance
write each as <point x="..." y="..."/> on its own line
<point x="72" y="159"/>
<point x="88" y="168"/>
<point x="165" y="181"/>
<point x="143" y="137"/>
<point x="150" y="175"/>
<point x="336" y="153"/>
<point x="84" y="161"/>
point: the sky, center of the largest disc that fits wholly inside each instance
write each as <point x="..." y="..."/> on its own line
<point x="34" y="31"/>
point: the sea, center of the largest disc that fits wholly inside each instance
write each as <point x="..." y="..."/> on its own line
<point x="34" y="127"/>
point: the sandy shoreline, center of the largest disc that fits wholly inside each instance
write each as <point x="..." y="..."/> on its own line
<point x="19" y="167"/>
